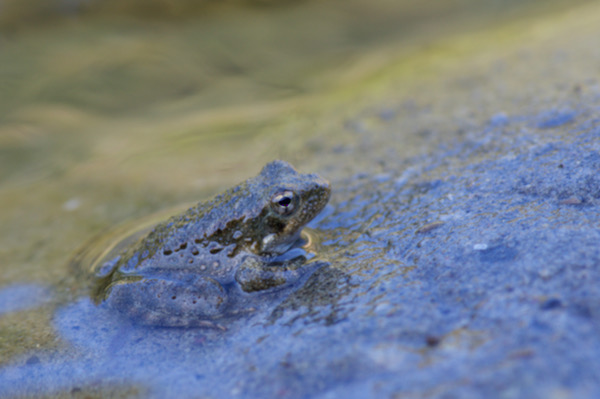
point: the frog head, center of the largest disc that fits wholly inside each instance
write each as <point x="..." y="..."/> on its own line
<point x="289" y="201"/>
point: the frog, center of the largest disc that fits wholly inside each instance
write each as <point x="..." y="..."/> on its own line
<point x="202" y="265"/>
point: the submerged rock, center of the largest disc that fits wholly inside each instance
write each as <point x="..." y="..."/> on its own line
<point x="500" y="296"/>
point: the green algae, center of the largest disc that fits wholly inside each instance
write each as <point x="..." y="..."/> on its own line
<point x="26" y="331"/>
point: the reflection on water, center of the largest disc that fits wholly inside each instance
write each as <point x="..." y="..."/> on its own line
<point x="20" y="297"/>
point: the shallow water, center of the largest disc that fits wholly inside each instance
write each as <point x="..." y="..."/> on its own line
<point x="461" y="236"/>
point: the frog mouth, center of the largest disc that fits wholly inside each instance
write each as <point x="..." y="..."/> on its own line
<point x="274" y="247"/>
<point x="296" y="249"/>
<point x="301" y="240"/>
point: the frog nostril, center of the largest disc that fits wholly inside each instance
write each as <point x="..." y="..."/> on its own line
<point x="167" y="252"/>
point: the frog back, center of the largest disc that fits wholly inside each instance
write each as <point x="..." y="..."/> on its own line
<point x="207" y="236"/>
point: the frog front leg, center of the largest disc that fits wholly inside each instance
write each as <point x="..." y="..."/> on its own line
<point x="256" y="275"/>
<point x="165" y="300"/>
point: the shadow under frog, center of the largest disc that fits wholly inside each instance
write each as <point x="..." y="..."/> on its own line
<point x="213" y="260"/>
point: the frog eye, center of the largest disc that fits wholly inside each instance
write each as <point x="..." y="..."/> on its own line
<point x="284" y="203"/>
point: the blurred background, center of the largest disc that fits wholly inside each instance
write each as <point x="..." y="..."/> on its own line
<point x="143" y="91"/>
<point x="112" y="109"/>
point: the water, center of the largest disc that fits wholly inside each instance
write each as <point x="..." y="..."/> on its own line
<point x="462" y="233"/>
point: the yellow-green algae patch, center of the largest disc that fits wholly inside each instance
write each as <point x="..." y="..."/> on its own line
<point x="26" y="331"/>
<point x="95" y="392"/>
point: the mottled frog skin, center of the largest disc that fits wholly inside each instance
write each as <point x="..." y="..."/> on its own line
<point x="201" y="265"/>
